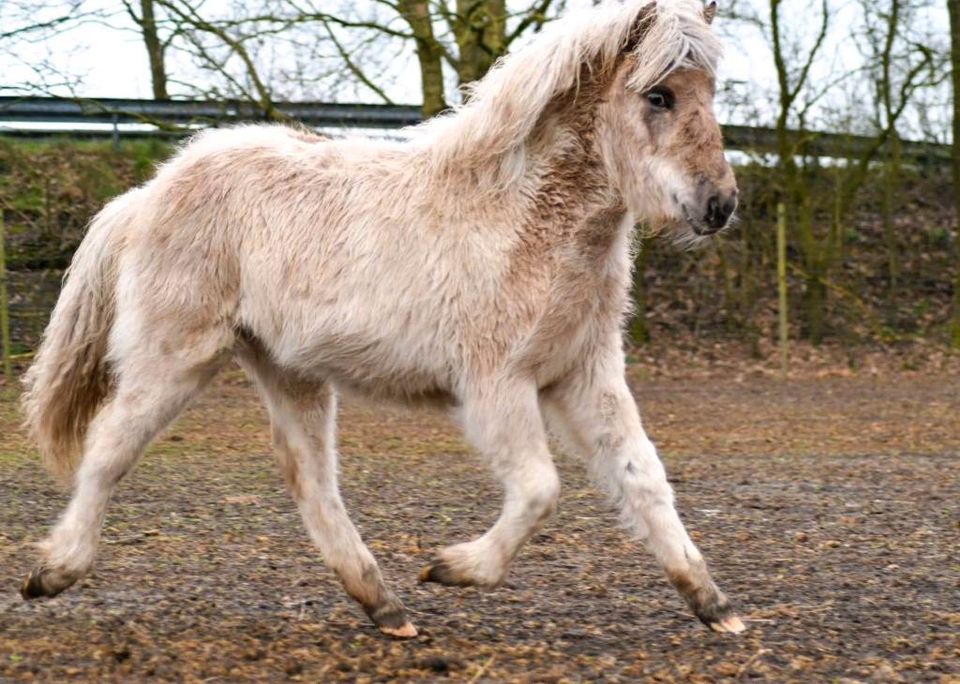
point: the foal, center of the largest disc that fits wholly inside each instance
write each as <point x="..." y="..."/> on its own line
<point x="483" y="267"/>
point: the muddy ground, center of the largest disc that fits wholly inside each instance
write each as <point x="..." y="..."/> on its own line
<point x="829" y="510"/>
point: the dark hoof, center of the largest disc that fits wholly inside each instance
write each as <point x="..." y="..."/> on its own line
<point x="441" y="572"/>
<point x="391" y="618"/>
<point x="438" y="571"/>
<point x="44" y="582"/>
<point x="706" y="601"/>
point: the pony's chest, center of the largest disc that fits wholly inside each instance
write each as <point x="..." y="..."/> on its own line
<point x="585" y="311"/>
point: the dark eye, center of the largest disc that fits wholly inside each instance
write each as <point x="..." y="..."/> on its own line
<point x="660" y="98"/>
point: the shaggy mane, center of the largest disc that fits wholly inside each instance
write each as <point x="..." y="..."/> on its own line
<point x="504" y="107"/>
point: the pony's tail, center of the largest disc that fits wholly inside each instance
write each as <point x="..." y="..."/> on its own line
<point x="69" y="378"/>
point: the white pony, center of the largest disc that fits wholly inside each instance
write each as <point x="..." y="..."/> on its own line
<point x="483" y="267"/>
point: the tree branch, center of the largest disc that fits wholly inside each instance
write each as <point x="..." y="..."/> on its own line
<point x="352" y="66"/>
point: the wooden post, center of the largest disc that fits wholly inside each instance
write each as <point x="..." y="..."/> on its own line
<point x="782" y="286"/>
<point x="5" y="312"/>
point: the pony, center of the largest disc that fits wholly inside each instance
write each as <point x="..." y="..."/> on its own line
<point x="482" y="266"/>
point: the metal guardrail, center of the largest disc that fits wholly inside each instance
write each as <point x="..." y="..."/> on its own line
<point x="180" y="115"/>
<point x="833" y="145"/>
<point x="187" y="112"/>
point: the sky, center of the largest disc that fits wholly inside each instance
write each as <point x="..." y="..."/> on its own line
<point x="110" y="61"/>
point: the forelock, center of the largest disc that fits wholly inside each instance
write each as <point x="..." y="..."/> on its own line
<point x="678" y="37"/>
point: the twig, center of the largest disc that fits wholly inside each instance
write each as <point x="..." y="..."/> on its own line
<point x="476" y="677"/>
<point x="745" y="668"/>
<point x="132" y="539"/>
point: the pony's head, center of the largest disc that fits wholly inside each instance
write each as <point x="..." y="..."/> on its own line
<point x="657" y="128"/>
<point x="638" y="78"/>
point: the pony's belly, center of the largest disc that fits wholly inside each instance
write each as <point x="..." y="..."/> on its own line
<point x="373" y="367"/>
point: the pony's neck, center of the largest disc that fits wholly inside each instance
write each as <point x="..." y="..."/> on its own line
<point x="575" y="192"/>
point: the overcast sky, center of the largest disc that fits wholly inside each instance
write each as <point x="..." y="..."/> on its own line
<point x="112" y="62"/>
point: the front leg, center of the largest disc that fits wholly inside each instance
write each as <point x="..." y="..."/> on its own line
<point x="502" y="422"/>
<point x="597" y="414"/>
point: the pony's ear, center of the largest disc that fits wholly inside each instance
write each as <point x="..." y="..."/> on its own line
<point x="710" y="11"/>
<point x="640" y="25"/>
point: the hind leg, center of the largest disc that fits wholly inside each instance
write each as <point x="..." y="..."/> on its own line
<point x="303" y="420"/>
<point x="152" y="389"/>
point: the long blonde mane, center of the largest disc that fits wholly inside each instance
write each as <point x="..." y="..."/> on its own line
<point x="502" y="109"/>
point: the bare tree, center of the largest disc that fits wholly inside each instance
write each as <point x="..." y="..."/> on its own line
<point x="900" y="66"/>
<point x="429" y="53"/>
<point x="463" y="38"/>
<point x="793" y="80"/>
<point x="156" y="47"/>
<point x="37" y="20"/>
<point x="953" y="6"/>
<point x="467" y="36"/>
<point x="25" y="26"/>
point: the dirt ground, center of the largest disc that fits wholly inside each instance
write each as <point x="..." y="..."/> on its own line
<point x="829" y="509"/>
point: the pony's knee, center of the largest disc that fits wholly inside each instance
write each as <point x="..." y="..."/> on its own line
<point x="634" y="474"/>
<point x="541" y="493"/>
<point x="549" y="492"/>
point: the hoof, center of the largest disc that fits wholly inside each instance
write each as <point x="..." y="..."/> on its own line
<point x="731" y="624"/>
<point x="391" y="618"/>
<point x="444" y="572"/>
<point x="438" y="571"/>
<point x="441" y="572"/>
<point x="720" y="617"/>
<point x="405" y="631"/>
<point x="45" y="582"/>
<point x="707" y="602"/>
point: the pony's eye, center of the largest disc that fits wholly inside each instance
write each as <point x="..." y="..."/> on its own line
<point x="660" y="98"/>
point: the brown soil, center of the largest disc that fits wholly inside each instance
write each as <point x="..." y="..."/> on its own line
<point x="829" y="509"/>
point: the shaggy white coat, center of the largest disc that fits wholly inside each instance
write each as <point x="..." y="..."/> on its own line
<point x="483" y="267"/>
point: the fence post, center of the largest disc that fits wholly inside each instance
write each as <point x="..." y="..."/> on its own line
<point x="115" y="134"/>
<point x="5" y="311"/>
<point x="782" y="286"/>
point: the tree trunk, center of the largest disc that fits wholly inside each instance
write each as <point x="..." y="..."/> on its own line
<point x="751" y="271"/>
<point x="155" y="50"/>
<point x="814" y="255"/>
<point x="954" y="7"/>
<point x="481" y="34"/>
<point x="815" y="297"/>
<point x="429" y="54"/>
<point x="782" y="313"/>
<point x="891" y="170"/>
<point x="5" y="313"/>
<point x="891" y="183"/>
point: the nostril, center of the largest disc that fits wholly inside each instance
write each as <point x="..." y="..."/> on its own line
<point x="714" y="215"/>
<point x="729" y="207"/>
<point x="713" y="205"/>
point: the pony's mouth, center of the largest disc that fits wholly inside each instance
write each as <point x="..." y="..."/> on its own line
<point x="699" y="227"/>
